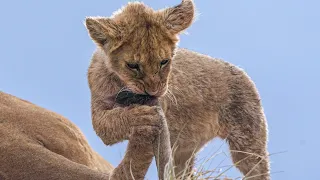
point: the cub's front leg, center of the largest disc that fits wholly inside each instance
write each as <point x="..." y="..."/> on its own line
<point x="138" y="155"/>
<point x="114" y="125"/>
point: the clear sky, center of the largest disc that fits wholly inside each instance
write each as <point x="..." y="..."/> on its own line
<point x="45" y="52"/>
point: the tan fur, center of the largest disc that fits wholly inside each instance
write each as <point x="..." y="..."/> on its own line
<point x="202" y="97"/>
<point x="162" y="148"/>
<point x="39" y="144"/>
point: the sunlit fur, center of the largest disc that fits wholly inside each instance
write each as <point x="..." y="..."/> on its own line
<point x="202" y="97"/>
<point x="139" y="23"/>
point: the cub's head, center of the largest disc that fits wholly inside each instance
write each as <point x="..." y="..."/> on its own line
<point x="140" y="43"/>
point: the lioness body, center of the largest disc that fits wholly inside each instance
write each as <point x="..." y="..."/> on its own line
<point x="39" y="144"/>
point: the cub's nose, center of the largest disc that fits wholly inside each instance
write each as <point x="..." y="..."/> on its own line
<point x="151" y="93"/>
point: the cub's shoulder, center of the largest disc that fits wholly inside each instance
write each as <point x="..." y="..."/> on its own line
<point x="187" y="54"/>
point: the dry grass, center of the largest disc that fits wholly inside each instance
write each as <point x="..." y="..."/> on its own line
<point x="203" y="169"/>
<point x="201" y="172"/>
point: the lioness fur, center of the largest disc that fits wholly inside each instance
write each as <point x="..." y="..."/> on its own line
<point x="202" y="97"/>
<point x="37" y="144"/>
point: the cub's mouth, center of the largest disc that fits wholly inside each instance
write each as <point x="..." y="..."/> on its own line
<point x="127" y="98"/>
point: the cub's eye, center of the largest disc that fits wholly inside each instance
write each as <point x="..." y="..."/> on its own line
<point x="164" y="62"/>
<point x="133" y="66"/>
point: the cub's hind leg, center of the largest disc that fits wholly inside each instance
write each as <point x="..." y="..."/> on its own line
<point x="247" y="138"/>
<point x="249" y="153"/>
<point x="245" y="127"/>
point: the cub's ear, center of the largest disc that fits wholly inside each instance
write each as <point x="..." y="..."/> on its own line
<point x="102" y="30"/>
<point x="180" y="17"/>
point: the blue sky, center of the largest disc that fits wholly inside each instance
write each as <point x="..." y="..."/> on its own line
<point x="45" y="52"/>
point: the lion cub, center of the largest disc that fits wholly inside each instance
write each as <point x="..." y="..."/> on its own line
<point x="202" y="97"/>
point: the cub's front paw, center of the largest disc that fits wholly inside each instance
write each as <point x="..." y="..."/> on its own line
<point x="146" y="116"/>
